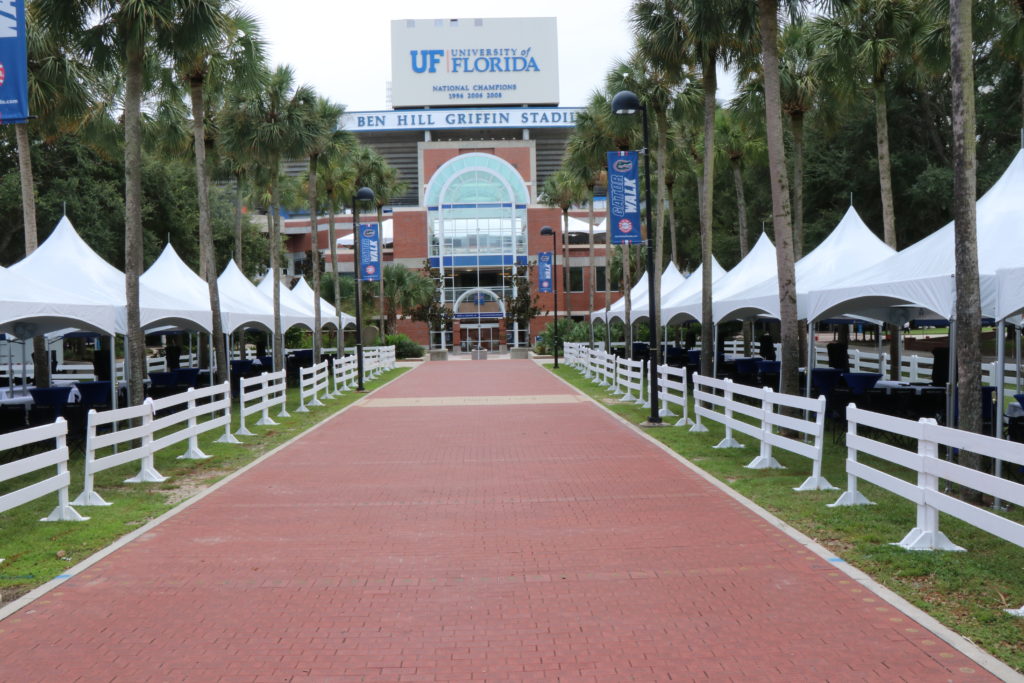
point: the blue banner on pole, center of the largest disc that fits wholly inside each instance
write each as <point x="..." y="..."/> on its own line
<point x="369" y="252"/>
<point x="13" y="63"/>
<point x="624" y="197"/>
<point x="545" y="272"/>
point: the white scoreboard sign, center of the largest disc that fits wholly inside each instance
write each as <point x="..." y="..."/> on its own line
<point x="467" y="62"/>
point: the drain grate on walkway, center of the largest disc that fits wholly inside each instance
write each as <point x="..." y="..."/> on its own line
<point x="435" y="401"/>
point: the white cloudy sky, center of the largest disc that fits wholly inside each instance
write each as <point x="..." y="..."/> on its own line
<point x="343" y="48"/>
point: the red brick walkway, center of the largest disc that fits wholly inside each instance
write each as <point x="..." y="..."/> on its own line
<point x="519" y="542"/>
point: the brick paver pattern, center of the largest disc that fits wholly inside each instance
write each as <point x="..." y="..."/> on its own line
<point x="446" y="540"/>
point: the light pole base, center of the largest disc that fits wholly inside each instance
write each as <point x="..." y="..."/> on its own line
<point x="648" y="423"/>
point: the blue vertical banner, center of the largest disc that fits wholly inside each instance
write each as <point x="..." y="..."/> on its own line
<point x="369" y="252"/>
<point x="624" y="197"/>
<point x="545" y="272"/>
<point x="13" y="62"/>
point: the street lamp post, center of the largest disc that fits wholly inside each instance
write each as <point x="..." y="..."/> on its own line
<point x="364" y="194"/>
<point x="547" y="230"/>
<point x="626" y="102"/>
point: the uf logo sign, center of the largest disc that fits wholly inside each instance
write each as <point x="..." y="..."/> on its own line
<point x="426" y="61"/>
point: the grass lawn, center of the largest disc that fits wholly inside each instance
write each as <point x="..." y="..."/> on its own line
<point x="37" y="552"/>
<point x="965" y="591"/>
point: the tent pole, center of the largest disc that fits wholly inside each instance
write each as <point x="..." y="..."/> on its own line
<point x="113" y="373"/>
<point x="810" y="357"/>
<point x="24" y="378"/>
<point x="951" y="383"/>
<point x="997" y="417"/>
<point x="1016" y="348"/>
<point x="714" y="351"/>
<point x="878" y="339"/>
<point x="213" y="361"/>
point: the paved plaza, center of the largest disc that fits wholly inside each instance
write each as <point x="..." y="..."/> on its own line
<point x="469" y="521"/>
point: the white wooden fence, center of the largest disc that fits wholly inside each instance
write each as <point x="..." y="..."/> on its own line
<point x="673" y="391"/>
<point x="57" y="456"/>
<point x="258" y="395"/>
<point x="142" y="417"/>
<point x="189" y="414"/>
<point x="345" y="370"/>
<point x="630" y="378"/>
<point x="766" y="411"/>
<point x="312" y="382"/>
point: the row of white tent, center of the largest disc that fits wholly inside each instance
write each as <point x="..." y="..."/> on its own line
<point x="64" y="284"/>
<point x="853" y="273"/>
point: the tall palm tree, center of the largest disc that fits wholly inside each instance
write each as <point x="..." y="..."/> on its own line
<point x="782" y="218"/>
<point x="324" y="115"/>
<point x="737" y="142"/>
<point x="968" y="296"/>
<point x="565" y="188"/>
<point x="336" y="182"/>
<point x="59" y="96"/>
<point x="272" y="124"/>
<point x="404" y="290"/>
<point x="213" y="44"/>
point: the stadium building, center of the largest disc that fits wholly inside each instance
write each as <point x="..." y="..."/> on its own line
<point x="474" y="131"/>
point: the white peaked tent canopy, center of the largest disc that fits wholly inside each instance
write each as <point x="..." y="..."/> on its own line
<point x="919" y="281"/>
<point x="241" y="304"/>
<point x="757" y="266"/>
<point x="67" y="263"/>
<point x="293" y="308"/>
<point x="578" y="225"/>
<point x="617" y="311"/>
<point x="691" y="286"/>
<point x="29" y="308"/>
<point x="170" y="274"/>
<point x="328" y="314"/>
<point x="1009" y="292"/>
<point x="671" y="279"/>
<point x="850" y="245"/>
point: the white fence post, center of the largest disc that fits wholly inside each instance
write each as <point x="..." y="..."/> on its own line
<point x="58" y="483"/>
<point x="851" y="496"/>
<point x="147" y="468"/>
<point x="926" y="535"/>
<point x="192" y="452"/>
<point x="728" y="441"/>
<point x="764" y="460"/>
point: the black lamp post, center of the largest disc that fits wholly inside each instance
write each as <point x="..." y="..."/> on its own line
<point x="547" y="230"/>
<point x="626" y="102"/>
<point x="363" y="194"/>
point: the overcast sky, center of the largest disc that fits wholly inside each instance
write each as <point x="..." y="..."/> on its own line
<point x="343" y="49"/>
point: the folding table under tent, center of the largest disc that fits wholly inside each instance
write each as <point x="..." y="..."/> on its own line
<point x="293" y="308"/>
<point x="328" y="313"/>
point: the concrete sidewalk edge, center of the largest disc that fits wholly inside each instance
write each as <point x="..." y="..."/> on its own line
<point x="960" y="643"/>
<point x="36" y="593"/>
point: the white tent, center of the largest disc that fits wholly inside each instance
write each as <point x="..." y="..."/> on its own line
<point x="293" y="307"/>
<point x="65" y="262"/>
<point x="757" y="266"/>
<point x="29" y="308"/>
<point x="241" y="304"/>
<point x="690" y="287"/>
<point x="851" y="243"/>
<point x="579" y="225"/>
<point x="919" y="281"/>
<point x="617" y="311"/>
<point x="1009" y="292"/>
<point x="387" y="234"/>
<point x="671" y="280"/>
<point x="170" y="274"/>
<point x="328" y="314"/>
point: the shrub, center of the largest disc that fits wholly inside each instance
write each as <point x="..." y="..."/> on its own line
<point x="404" y="347"/>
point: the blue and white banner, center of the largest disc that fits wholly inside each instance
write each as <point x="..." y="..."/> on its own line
<point x="545" y="272"/>
<point x="369" y="252"/>
<point x="624" y="197"/>
<point x="13" y="63"/>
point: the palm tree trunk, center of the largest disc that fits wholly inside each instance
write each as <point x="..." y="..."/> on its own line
<point x="40" y="355"/>
<point x="334" y="266"/>
<point x="768" y="15"/>
<point x="659" y="222"/>
<point x="314" y="246"/>
<point x="565" y="263"/>
<point x="206" y="250"/>
<point x="673" y="238"/>
<point x="796" y="127"/>
<point x="591" y="268"/>
<point x="884" y="164"/>
<point x="968" y="299"/>
<point x="741" y="207"/>
<point x="238" y="220"/>
<point x="136" y="342"/>
<point x="706" y="205"/>
<point x="275" y="250"/>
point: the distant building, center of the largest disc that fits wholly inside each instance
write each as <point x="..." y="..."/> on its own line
<point x="474" y="134"/>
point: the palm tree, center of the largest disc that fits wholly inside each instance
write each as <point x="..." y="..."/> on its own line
<point x="336" y="181"/>
<point x="213" y="44"/>
<point x="325" y="116"/>
<point x="782" y="219"/>
<point x="968" y="296"/>
<point x="737" y="143"/>
<point x="59" y="96"/>
<point x="269" y="125"/>
<point x="564" y="189"/>
<point x="404" y="290"/>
